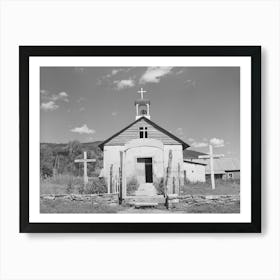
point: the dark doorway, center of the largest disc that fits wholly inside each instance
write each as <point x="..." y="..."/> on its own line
<point x="148" y="168"/>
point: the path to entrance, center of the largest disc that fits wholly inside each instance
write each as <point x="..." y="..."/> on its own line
<point x="146" y="189"/>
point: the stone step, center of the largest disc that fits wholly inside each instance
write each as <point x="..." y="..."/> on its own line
<point x="144" y="204"/>
<point x="132" y="200"/>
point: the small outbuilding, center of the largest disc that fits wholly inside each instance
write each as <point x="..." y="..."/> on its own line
<point x="194" y="171"/>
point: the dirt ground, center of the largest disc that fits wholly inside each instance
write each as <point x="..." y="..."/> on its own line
<point x="68" y="206"/>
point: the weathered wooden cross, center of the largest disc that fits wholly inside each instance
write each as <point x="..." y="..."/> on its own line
<point x="211" y="156"/>
<point x="85" y="160"/>
<point x="141" y="91"/>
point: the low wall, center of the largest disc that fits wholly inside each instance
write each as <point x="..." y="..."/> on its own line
<point x="173" y="200"/>
<point x="106" y="198"/>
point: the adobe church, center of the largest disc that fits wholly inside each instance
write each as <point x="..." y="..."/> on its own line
<point x="147" y="152"/>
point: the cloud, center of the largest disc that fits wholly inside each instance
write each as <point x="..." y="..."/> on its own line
<point x="60" y="96"/>
<point x="49" y="106"/>
<point x="191" y="140"/>
<point x="50" y="100"/>
<point x="199" y="144"/>
<point x="44" y="92"/>
<point x="79" y="69"/>
<point x="180" y="131"/>
<point x="79" y="100"/>
<point x="216" y="142"/>
<point x="46" y="95"/>
<point x="154" y="74"/>
<point x="122" y="84"/>
<point x="190" y="83"/>
<point x="179" y="72"/>
<point x="83" y="130"/>
<point x="115" y="71"/>
<point x="108" y="79"/>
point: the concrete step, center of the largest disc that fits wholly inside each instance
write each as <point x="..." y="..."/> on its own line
<point x="146" y="189"/>
<point x="144" y="204"/>
<point x="133" y="200"/>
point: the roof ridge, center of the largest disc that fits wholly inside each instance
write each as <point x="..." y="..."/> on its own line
<point x="185" y="145"/>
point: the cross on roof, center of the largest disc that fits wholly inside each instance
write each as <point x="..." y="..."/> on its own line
<point x="141" y="91"/>
<point x="211" y="156"/>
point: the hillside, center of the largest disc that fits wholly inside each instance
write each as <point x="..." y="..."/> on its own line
<point x="60" y="157"/>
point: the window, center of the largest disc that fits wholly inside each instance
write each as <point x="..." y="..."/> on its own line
<point x="143" y="132"/>
<point x="230" y="175"/>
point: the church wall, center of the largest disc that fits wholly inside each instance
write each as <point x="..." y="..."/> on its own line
<point x="194" y="172"/>
<point x="159" y="157"/>
<point x="133" y="133"/>
<point x="141" y="152"/>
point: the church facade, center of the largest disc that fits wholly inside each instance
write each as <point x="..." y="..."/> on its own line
<point x="143" y="151"/>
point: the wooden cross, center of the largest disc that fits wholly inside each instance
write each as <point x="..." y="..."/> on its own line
<point x="141" y="91"/>
<point x="85" y="160"/>
<point x="211" y="156"/>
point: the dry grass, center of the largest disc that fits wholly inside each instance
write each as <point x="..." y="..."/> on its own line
<point x="61" y="184"/>
<point x="222" y="188"/>
<point x="68" y="184"/>
<point x="70" y="206"/>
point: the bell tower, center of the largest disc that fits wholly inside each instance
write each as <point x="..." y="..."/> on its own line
<point x="142" y="106"/>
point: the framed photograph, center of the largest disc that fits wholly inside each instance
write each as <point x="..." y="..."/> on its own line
<point x="140" y="138"/>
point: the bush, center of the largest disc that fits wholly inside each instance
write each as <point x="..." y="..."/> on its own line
<point x="132" y="185"/>
<point x="159" y="185"/>
<point x="98" y="185"/>
<point x="70" y="184"/>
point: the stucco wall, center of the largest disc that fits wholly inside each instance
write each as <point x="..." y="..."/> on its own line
<point x="141" y="148"/>
<point x="194" y="172"/>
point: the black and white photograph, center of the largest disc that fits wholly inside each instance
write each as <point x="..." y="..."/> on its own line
<point x="125" y="136"/>
<point x="154" y="139"/>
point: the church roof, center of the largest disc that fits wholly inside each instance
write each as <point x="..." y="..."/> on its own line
<point x="185" y="145"/>
<point x="142" y="101"/>
<point x="222" y="165"/>
<point x="191" y="154"/>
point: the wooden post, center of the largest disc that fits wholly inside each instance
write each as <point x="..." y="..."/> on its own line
<point x="179" y="178"/>
<point x="85" y="169"/>
<point x="212" y="167"/>
<point x="111" y="178"/>
<point x="168" y="173"/>
<point x="124" y="176"/>
<point x="120" y="181"/>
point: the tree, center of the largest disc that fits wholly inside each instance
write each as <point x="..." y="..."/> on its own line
<point x="46" y="161"/>
<point x="74" y="149"/>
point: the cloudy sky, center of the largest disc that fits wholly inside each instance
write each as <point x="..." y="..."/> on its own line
<point x="200" y="105"/>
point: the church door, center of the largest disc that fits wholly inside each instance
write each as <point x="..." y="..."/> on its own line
<point x="144" y="170"/>
<point x="149" y="170"/>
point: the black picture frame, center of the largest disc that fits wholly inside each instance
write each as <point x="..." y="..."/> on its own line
<point x="25" y="52"/>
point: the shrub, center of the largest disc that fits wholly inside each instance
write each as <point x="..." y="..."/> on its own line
<point x="98" y="185"/>
<point x="132" y="185"/>
<point x="159" y="185"/>
<point x="70" y="184"/>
